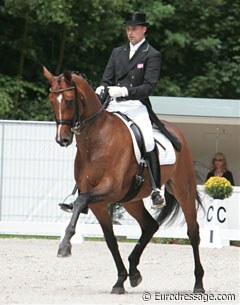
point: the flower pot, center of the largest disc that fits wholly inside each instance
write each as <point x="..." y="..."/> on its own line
<point x="218" y="188"/>
<point x="218" y="197"/>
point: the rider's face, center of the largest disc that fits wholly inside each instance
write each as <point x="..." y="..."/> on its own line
<point x="135" y="33"/>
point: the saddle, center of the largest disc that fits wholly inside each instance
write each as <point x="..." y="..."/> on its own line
<point x="165" y="149"/>
<point x="166" y="156"/>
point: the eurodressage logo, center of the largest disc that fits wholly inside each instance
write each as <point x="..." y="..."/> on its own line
<point x="203" y="297"/>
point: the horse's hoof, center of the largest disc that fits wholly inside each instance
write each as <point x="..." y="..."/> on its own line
<point x="118" y="290"/>
<point x="135" y="279"/>
<point x="64" y="251"/>
<point x="199" y="290"/>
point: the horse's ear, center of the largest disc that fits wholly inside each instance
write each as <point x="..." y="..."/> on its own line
<point x="67" y="75"/>
<point x="47" y="74"/>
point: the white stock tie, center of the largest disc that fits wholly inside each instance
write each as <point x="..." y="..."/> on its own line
<point x="132" y="51"/>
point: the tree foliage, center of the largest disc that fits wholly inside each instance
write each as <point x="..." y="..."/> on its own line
<point x="199" y="42"/>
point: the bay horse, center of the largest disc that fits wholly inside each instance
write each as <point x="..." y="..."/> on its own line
<point x="104" y="167"/>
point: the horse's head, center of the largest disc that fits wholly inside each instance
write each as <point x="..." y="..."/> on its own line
<point x="63" y="97"/>
<point x="74" y="102"/>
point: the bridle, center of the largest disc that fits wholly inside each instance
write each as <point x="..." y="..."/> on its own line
<point x="76" y="123"/>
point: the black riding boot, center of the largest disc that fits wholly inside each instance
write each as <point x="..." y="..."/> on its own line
<point x="155" y="178"/>
<point x="68" y="207"/>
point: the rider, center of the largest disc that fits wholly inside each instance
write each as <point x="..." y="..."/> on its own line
<point x="131" y="74"/>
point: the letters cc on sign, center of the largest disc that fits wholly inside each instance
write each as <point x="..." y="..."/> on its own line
<point x="220" y="213"/>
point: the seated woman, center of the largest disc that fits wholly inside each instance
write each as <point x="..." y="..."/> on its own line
<point x="219" y="168"/>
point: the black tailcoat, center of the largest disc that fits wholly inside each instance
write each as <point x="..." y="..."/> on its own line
<point x="139" y="74"/>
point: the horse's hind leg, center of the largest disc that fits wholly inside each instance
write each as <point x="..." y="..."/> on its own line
<point x="187" y="202"/>
<point x="193" y="234"/>
<point x="148" y="226"/>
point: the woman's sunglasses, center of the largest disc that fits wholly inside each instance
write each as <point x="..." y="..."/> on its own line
<point x="218" y="160"/>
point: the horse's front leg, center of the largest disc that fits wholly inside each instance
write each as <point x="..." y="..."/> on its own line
<point x="148" y="226"/>
<point x="105" y="221"/>
<point x="65" y="246"/>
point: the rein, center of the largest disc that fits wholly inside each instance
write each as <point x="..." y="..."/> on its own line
<point x="76" y="124"/>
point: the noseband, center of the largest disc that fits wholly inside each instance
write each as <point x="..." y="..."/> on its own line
<point x="76" y="124"/>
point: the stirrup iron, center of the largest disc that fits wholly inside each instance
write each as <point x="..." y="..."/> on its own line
<point x="68" y="207"/>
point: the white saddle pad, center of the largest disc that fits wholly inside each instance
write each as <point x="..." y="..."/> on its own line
<point x="167" y="153"/>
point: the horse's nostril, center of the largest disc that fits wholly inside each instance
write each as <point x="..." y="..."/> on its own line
<point x="65" y="142"/>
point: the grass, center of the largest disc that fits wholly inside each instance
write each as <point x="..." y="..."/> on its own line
<point x="119" y="238"/>
<point x="235" y="243"/>
<point x="28" y="236"/>
<point x="175" y="241"/>
<point x="155" y="240"/>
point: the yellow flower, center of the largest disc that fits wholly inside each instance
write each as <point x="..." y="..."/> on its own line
<point x="218" y="187"/>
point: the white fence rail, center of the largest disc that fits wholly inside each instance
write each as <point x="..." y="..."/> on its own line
<point x="36" y="174"/>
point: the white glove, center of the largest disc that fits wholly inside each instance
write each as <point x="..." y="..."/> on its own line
<point x="115" y="91"/>
<point x="99" y="91"/>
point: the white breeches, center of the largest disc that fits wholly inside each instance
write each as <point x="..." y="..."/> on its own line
<point x="136" y="111"/>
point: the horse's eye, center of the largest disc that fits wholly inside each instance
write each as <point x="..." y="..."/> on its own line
<point x="69" y="103"/>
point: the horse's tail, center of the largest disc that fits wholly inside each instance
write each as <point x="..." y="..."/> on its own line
<point x="199" y="202"/>
<point x="170" y="212"/>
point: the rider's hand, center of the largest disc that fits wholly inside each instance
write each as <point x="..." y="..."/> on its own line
<point x="115" y="91"/>
<point x="100" y="90"/>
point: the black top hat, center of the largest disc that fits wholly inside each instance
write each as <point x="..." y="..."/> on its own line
<point x="133" y="19"/>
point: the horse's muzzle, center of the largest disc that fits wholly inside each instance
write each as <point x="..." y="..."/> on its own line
<point x="64" y="142"/>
